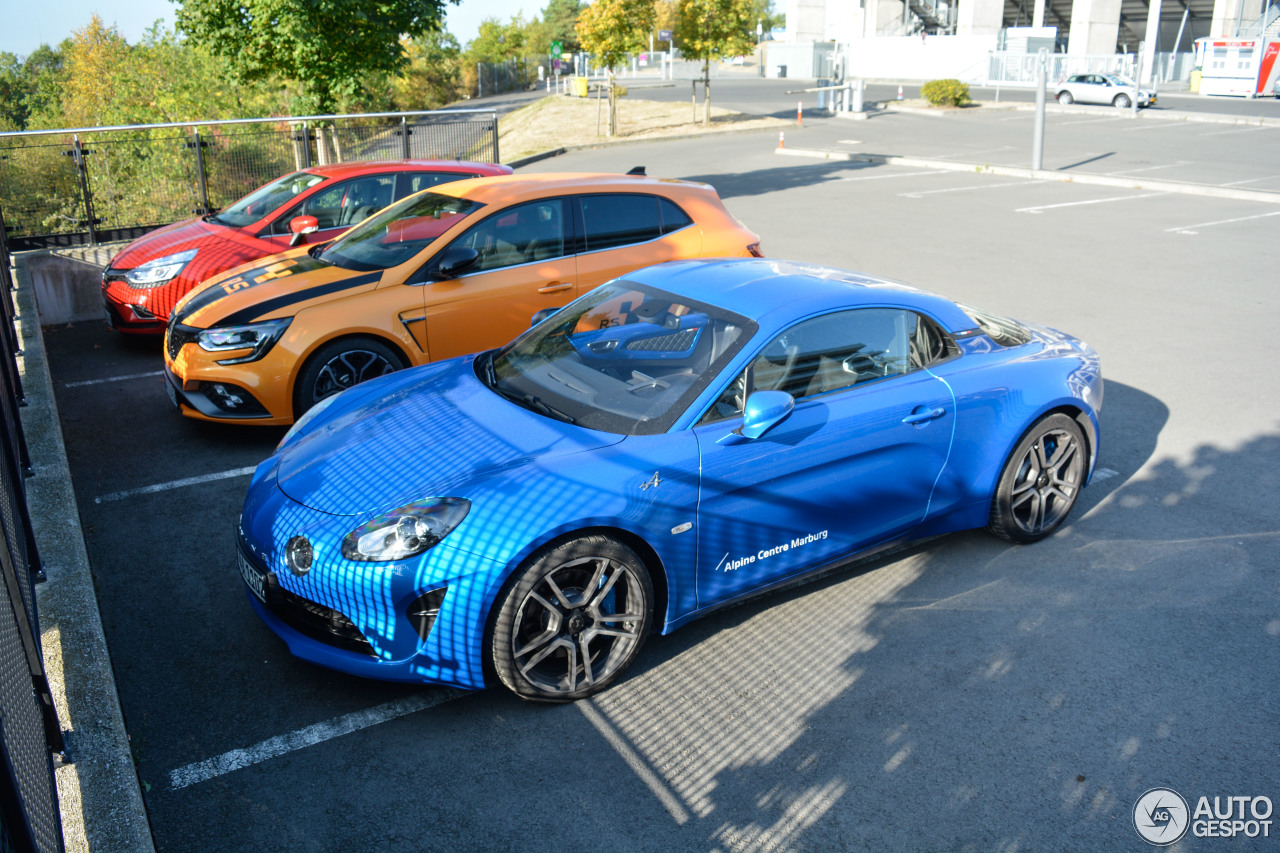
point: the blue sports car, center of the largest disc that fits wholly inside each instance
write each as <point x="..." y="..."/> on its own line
<point x="670" y="442"/>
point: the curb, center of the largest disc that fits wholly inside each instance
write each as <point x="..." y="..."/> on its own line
<point x="1039" y="174"/>
<point x="98" y="794"/>
<point x="1145" y="114"/>
<point x="613" y="143"/>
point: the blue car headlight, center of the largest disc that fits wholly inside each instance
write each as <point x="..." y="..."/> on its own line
<point x="159" y="271"/>
<point x="257" y="337"/>
<point x="406" y="531"/>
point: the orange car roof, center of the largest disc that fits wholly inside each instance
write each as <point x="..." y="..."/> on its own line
<point x="510" y="187"/>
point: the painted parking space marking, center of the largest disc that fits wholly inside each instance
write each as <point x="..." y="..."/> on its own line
<point x="175" y="484"/>
<point x="83" y="382"/>
<point x="238" y="759"/>
<point x="999" y="149"/>
<point x="1251" y="181"/>
<point x="1155" y="125"/>
<point x="1104" y="474"/>
<point x="1235" y="130"/>
<point x="1150" y="168"/>
<point x="638" y="765"/>
<point x="1192" y="229"/>
<point x="923" y="193"/>
<point x="1041" y="207"/>
<point x="898" y="175"/>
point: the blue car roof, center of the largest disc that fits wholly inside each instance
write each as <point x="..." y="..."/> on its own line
<point x="776" y="292"/>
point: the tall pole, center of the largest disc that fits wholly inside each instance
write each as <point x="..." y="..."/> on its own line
<point x="1037" y="139"/>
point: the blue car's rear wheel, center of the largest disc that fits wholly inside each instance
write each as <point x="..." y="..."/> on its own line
<point x="1041" y="481"/>
<point x="573" y="620"/>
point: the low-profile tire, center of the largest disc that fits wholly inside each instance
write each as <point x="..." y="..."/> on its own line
<point x="340" y="364"/>
<point x="1040" y="481"/>
<point x="1065" y="98"/>
<point x="1122" y="101"/>
<point x="574" y="617"/>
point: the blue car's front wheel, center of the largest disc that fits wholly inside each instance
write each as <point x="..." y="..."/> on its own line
<point x="573" y="620"/>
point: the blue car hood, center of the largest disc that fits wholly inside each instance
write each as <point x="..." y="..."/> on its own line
<point x="415" y="434"/>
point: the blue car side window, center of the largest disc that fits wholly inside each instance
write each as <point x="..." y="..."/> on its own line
<point x="834" y="352"/>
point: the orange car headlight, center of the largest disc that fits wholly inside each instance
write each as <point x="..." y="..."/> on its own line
<point x="256" y="337"/>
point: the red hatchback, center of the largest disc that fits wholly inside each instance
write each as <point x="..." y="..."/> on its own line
<point x="144" y="281"/>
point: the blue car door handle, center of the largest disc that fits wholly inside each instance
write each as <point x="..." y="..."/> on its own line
<point x="921" y="417"/>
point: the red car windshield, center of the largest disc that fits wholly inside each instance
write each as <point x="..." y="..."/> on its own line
<point x="267" y="199"/>
<point x="395" y="235"/>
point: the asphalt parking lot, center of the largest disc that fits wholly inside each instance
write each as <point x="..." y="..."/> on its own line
<point x="963" y="694"/>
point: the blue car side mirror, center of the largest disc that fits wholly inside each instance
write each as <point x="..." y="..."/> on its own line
<point x="764" y="411"/>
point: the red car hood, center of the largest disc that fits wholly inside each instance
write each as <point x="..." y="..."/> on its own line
<point x="230" y="246"/>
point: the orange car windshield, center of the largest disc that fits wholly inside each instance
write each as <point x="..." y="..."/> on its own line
<point x="399" y="232"/>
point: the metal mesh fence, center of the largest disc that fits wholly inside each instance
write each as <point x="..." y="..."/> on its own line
<point x="29" y="728"/>
<point x="67" y="188"/>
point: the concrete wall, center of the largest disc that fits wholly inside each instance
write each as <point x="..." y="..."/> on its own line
<point x="67" y="286"/>
<point x="964" y="58"/>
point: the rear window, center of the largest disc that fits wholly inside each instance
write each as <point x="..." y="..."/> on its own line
<point x="1003" y="330"/>
<point x="620" y="220"/>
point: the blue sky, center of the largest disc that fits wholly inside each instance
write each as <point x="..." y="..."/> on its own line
<point x="50" y="23"/>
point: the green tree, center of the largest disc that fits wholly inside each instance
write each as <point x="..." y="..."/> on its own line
<point x="498" y="42"/>
<point x="710" y="30"/>
<point x="561" y="19"/>
<point x="611" y="29"/>
<point x="432" y="78"/>
<point x="327" y="47"/>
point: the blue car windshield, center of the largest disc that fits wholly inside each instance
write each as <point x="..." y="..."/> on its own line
<point x="267" y="199"/>
<point x="625" y="358"/>
<point x="399" y="232"/>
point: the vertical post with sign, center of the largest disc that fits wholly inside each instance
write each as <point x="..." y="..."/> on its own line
<point x="557" y="48"/>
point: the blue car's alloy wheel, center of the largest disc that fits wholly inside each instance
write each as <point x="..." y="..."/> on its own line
<point x="1041" y="481"/>
<point x="573" y="620"/>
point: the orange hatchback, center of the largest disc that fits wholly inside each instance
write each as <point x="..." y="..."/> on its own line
<point x="453" y="270"/>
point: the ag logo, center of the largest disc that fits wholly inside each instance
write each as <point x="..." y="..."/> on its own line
<point x="1160" y="816"/>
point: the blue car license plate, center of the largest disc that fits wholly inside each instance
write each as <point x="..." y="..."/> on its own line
<point x="254" y="577"/>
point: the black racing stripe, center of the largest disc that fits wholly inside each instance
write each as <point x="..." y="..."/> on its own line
<point x="210" y="295"/>
<point x="248" y="315"/>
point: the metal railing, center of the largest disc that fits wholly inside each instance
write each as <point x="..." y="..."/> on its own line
<point x="84" y="185"/>
<point x="30" y="734"/>
<point x="1020" y="69"/>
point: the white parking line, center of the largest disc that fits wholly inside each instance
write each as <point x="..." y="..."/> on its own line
<point x="898" y="175"/>
<point x="970" y="153"/>
<point x="175" y="484"/>
<point x="84" y="382"/>
<point x="1091" y="201"/>
<point x="1150" y="168"/>
<point x="238" y="759"/>
<point x="972" y="187"/>
<point x="1155" y="125"/>
<point x="637" y="764"/>
<point x="1251" y="181"/>
<point x="1187" y="229"/>
<point x="1104" y="474"/>
<point x="1236" y="130"/>
<point x="1091" y="120"/>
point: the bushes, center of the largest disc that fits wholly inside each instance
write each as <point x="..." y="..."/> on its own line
<point x="946" y="93"/>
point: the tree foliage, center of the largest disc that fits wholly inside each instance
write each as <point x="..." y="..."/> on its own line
<point x="611" y="29"/>
<point x="560" y="20"/>
<point x="432" y="78"/>
<point x="328" y="47"/>
<point x="711" y="30"/>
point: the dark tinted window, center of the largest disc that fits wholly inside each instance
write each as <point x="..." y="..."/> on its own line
<point x="533" y="231"/>
<point x="413" y="182"/>
<point x="673" y="218"/>
<point x="619" y="220"/>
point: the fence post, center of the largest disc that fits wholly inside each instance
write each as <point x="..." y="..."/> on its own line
<point x="204" y="186"/>
<point x="404" y="132"/>
<point x="77" y="153"/>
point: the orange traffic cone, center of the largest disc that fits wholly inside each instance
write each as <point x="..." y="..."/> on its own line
<point x="800" y="113"/>
<point x="782" y="139"/>
<point x="899" y="93"/>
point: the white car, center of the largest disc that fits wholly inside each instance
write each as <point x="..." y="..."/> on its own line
<point x="1114" y="89"/>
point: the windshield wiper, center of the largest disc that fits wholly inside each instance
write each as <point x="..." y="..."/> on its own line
<point x="537" y="405"/>
<point x="528" y="401"/>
